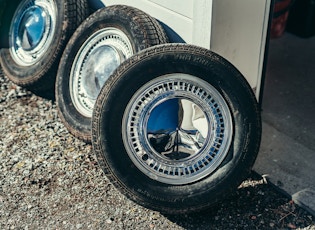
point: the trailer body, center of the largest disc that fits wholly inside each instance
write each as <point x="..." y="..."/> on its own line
<point x="237" y="30"/>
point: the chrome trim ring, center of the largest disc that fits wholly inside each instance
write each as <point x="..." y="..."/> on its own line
<point x="96" y="60"/>
<point x="32" y="30"/>
<point x="177" y="129"/>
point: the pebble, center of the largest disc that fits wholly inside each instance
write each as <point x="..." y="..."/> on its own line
<point x="50" y="180"/>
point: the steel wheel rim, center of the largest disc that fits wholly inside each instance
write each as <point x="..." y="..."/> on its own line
<point x="32" y="31"/>
<point x="173" y="153"/>
<point x="88" y="73"/>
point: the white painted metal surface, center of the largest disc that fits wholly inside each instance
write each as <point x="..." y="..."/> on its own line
<point x="236" y="30"/>
<point x="183" y="17"/>
<point x="239" y="30"/>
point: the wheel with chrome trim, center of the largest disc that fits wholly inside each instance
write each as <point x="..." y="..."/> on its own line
<point x="103" y="41"/>
<point x="38" y="34"/>
<point x="176" y="128"/>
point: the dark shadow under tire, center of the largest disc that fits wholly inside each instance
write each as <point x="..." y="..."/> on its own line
<point x="148" y="148"/>
<point x="32" y="59"/>
<point x="103" y="41"/>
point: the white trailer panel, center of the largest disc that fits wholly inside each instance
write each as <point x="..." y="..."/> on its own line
<point x="235" y="29"/>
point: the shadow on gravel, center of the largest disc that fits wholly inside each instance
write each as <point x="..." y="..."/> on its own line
<point x="255" y="205"/>
<point x="48" y="178"/>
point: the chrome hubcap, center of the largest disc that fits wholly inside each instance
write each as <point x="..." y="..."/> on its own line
<point x="32" y="31"/>
<point x="32" y="28"/>
<point x="177" y="129"/>
<point x="97" y="59"/>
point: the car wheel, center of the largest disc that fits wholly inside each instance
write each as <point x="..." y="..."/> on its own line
<point x="38" y="34"/>
<point x="176" y="128"/>
<point x="106" y="39"/>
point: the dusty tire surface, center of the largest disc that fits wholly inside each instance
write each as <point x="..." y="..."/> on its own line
<point x="35" y="65"/>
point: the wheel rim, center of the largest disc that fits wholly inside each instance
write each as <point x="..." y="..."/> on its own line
<point x="32" y="31"/>
<point x="88" y="73"/>
<point x="177" y="129"/>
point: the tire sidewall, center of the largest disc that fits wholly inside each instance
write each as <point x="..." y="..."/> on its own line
<point x="114" y="158"/>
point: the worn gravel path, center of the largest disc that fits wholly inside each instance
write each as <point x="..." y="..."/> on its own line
<point x="51" y="180"/>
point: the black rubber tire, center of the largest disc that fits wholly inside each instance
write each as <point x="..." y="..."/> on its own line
<point x="108" y="118"/>
<point x="40" y="77"/>
<point x="142" y="30"/>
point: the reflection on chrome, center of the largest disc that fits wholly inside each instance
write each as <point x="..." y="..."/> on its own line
<point x="32" y="28"/>
<point x="32" y="31"/>
<point x="96" y="60"/>
<point x="99" y="65"/>
<point x="177" y="129"/>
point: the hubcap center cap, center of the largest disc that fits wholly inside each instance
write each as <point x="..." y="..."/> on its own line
<point x="177" y="129"/>
<point x="93" y="64"/>
<point x="32" y="31"/>
<point x="32" y="28"/>
<point x="99" y="65"/>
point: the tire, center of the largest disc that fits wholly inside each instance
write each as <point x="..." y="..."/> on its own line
<point x="112" y="35"/>
<point x="176" y="128"/>
<point x="34" y="50"/>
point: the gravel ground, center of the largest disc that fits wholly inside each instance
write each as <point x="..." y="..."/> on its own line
<point x="51" y="180"/>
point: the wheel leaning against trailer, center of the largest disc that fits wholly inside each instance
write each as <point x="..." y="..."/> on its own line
<point x="39" y="31"/>
<point x="102" y="42"/>
<point x="176" y="128"/>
